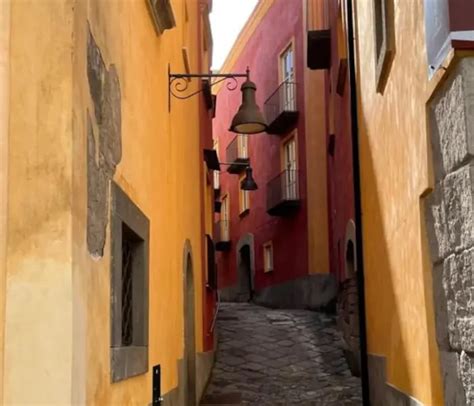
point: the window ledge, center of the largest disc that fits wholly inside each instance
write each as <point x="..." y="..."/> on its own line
<point x="128" y="361"/>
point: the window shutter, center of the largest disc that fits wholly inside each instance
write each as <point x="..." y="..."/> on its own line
<point x="162" y="14"/>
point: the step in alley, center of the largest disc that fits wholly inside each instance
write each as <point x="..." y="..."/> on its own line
<point x="279" y="357"/>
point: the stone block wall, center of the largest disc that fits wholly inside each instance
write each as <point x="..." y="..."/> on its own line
<point x="450" y="224"/>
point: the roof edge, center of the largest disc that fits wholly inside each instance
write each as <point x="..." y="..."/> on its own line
<point x="246" y="32"/>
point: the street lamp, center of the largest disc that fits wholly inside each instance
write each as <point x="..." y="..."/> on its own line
<point x="212" y="161"/>
<point x="248" y="119"/>
<point x="249" y="182"/>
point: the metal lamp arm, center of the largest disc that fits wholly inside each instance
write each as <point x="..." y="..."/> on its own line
<point x="178" y="83"/>
<point x="234" y="163"/>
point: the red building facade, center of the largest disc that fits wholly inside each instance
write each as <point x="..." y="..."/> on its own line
<point x="341" y="209"/>
<point x="264" y="233"/>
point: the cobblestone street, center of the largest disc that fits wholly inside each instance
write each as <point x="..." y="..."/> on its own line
<point x="279" y="357"/>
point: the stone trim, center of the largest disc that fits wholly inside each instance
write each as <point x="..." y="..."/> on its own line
<point x="380" y="391"/>
<point x="128" y="361"/>
<point x="204" y="364"/>
<point x="449" y="217"/>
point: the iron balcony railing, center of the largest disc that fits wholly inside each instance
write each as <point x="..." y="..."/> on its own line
<point x="237" y="150"/>
<point x="283" y="188"/>
<point x="221" y="231"/>
<point x="283" y="99"/>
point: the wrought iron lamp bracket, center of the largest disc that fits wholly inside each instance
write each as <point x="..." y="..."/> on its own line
<point x="245" y="165"/>
<point x="178" y="83"/>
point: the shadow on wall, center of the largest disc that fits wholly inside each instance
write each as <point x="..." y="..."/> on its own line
<point x="382" y="313"/>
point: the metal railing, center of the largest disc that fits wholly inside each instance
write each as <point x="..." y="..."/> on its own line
<point x="281" y="100"/>
<point x="283" y="187"/>
<point x="221" y="231"/>
<point x="238" y="149"/>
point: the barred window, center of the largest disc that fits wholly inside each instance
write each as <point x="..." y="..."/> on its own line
<point x="129" y="288"/>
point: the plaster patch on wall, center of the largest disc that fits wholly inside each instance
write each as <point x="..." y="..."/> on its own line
<point x="104" y="151"/>
<point x="450" y="224"/>
<point x="97" y="205"/>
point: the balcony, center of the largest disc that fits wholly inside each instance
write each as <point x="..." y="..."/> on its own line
<point x="283" y="194"/>
<point x="222" y="235"/>
<point x="237" y="154"/>
<point x="281" y="110"/>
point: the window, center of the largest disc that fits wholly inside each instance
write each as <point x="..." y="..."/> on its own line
<point x="287" y="65"/>
<point x="217" y="180"/>
<point x="268" y="257"/>
<point x="244" y="198"/>
<point x="162" y="14"/>
<point x="225" y="219"/>
<point x="290" y="179"/>
<point x="287" y="78"/>
<point x="243" y="141"/>
<point x="384" y="43"/>
<point x="129" y="288"/>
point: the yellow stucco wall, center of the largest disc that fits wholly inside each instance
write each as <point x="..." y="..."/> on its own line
<point x="38" y="317"/>
<point x="4" y="122"/>
<point x="57" y="325"/>
<point x="395" y="173"/>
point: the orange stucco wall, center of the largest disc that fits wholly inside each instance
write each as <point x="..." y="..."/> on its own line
<point x="395" y="173"/>
<point x="316" y="163"/>
<point x="4" y="113"/>
<point x="57" y="319"/>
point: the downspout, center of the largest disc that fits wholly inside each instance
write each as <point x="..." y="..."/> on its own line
<point x="357" y="202"/>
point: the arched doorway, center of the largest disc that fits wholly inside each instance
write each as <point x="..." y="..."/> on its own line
<point x="348" y="304"/>
<point x="189" y="329"/>
<point x="245" y="273"/>
<point x="245" y="268"/>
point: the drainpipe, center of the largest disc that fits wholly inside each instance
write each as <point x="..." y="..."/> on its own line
<point x="357" y="202"/>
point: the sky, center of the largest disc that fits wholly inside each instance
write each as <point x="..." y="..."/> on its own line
<point x="227" y="19"/>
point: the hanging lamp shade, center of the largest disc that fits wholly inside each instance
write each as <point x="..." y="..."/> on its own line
<point x="249" y="182"/>
<point x="249" y="119"/>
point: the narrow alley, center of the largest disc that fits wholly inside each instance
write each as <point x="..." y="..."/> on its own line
<point x="270" y="357"/>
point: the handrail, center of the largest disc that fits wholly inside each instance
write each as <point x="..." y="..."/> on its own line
<point x="285" y="82"/>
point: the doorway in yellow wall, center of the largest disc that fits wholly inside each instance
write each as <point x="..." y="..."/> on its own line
<point x="189" y="330"/>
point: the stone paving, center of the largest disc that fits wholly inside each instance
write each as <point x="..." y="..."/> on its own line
<point x="279" y="357"/>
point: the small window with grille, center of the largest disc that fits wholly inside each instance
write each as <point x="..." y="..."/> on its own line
<point x="129" y="290"/>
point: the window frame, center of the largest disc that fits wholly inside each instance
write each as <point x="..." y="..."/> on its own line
<point x="268" y="246"/>
<point x="290" y="101"/>
<point x="291" y="137"/>
<point x="384" y="57"/>
<point x="225" y="217"/>
<point x="290" y="45"/>
<point x="244" y="198"/>
<point x="129" y="360"/>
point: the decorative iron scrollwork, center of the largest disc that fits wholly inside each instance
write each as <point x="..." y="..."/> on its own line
<point x="179" y="83"/>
